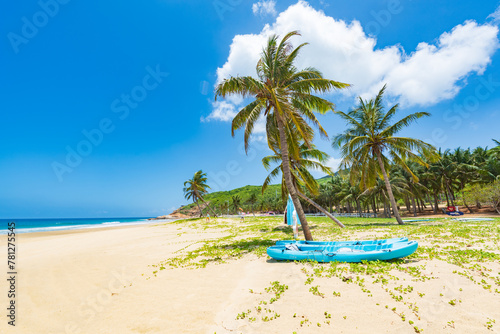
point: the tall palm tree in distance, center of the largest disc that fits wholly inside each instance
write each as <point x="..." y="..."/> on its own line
<point x="370" y="143"/>
<point x="284" y="95"/>
<point x="252" y="200"/>
<point x="196" y="188"/>
<point x="495" y="151"/>
<point x="236" y="203"/>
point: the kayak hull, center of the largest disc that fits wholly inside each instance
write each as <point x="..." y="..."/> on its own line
<point x="340" y="243"/>
<point x="345" y="253"/>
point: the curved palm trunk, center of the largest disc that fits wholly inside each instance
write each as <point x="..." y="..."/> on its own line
<point x="465" y="203"/>
<point x="446" y="194"/>
<point x="414" y="206"/>
<point x="208" y="206"/>
<point x="451" y="194"/>
<point x="407" y="203"/>
<point x="288" y="179"/>
<point x="389" y="189"/>
<point x="387" y="210"/>
<point x="199" y="208"/>
<point x="320" y="208"/>
<point x="430" y="203"/>
<point x="436" y="203"/>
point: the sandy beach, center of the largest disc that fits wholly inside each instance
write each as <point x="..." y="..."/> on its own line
<point x="111" y="281"/>
<point x="153" y="154"/>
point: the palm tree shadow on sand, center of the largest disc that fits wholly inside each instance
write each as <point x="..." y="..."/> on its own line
<point x="382" y="224"/>
<point x="288" y="229"/>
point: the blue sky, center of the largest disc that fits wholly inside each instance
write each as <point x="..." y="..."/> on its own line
<point x="128" y="86"/>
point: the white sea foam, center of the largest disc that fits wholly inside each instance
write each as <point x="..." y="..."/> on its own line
<point x="47" y="229"/>
<point x="85" y="226"/>
<point x="110" y="223"/>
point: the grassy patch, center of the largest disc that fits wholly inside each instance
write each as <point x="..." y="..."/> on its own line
<point x="471" y="247"/>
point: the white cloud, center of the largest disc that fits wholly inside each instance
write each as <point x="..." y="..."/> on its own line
<point x="226" y="110"/>
<point x="222" y="111"/>
<point x="435" y="72"/>
<point x="343" y="51"/>
<point x="244" y="52"/>
<point x="474" y="126"/>
<point x="324" y="3"/>
<point x="333" y="163"/>
<point x="495" y="16"/>
<point x="264" y="7"/>
<point x="260" y="125"/>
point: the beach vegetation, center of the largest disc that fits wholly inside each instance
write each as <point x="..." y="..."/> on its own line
<point x="315" y="291"/>
<point x="489" y="323"/>
<point x="472" y="248"/>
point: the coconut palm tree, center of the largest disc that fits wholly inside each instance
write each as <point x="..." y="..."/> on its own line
<point x="352" y="193"/>
<point x="415" y="187"/>
<point x="196" y="188"/>
<point x="336" y="184"/>
<point x="325" y="196"/>
<point x="493" y="161"/>
<point x="369" y="144"/>
<point x="466" y="172"/>
<point x="303" y="181"/>
<point x="224" y="207"/>
<point x="495" y="150"/>
<point x="379" y="192"/>
<point x="236" y="202"/>
<point x="444" y="170"/>
<point x="283" y="95"/>
<point x="252" y="200"/>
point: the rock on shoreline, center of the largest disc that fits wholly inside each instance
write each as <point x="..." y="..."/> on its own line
<point x="171" y="216"/>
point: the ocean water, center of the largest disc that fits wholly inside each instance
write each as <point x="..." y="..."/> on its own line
<point x="58" y="224"/>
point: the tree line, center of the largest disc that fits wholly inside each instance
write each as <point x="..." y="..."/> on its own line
<point x="379" y="168"/>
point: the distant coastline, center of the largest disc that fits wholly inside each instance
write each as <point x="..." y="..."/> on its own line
<point x="32" y="225"/>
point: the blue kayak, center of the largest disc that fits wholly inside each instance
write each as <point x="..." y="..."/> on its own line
<point x="343" y="253"/>
<point x="340" y="243"/>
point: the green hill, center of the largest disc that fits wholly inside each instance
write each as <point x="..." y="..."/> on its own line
<point x="269" y="201"/>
